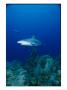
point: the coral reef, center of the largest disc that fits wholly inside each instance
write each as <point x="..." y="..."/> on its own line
<point x="37" y="71"/>
<point x="15" y="75"/>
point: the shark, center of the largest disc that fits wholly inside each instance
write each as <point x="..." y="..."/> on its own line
<point x="29" y="42"/>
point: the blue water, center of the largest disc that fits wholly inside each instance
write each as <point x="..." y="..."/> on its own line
<point x="25" y="20"/>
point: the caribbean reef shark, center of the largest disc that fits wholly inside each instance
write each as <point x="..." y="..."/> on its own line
<point x="29" y="42"/>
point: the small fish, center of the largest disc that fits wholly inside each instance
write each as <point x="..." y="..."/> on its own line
<point x="15" y="30"/>
<point x="29" y="42"/>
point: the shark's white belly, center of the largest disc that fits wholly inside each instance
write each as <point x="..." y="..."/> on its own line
<point x="26" y="43"/>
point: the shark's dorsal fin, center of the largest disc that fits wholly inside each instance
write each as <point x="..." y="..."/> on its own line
<point x="33" y="37"/>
